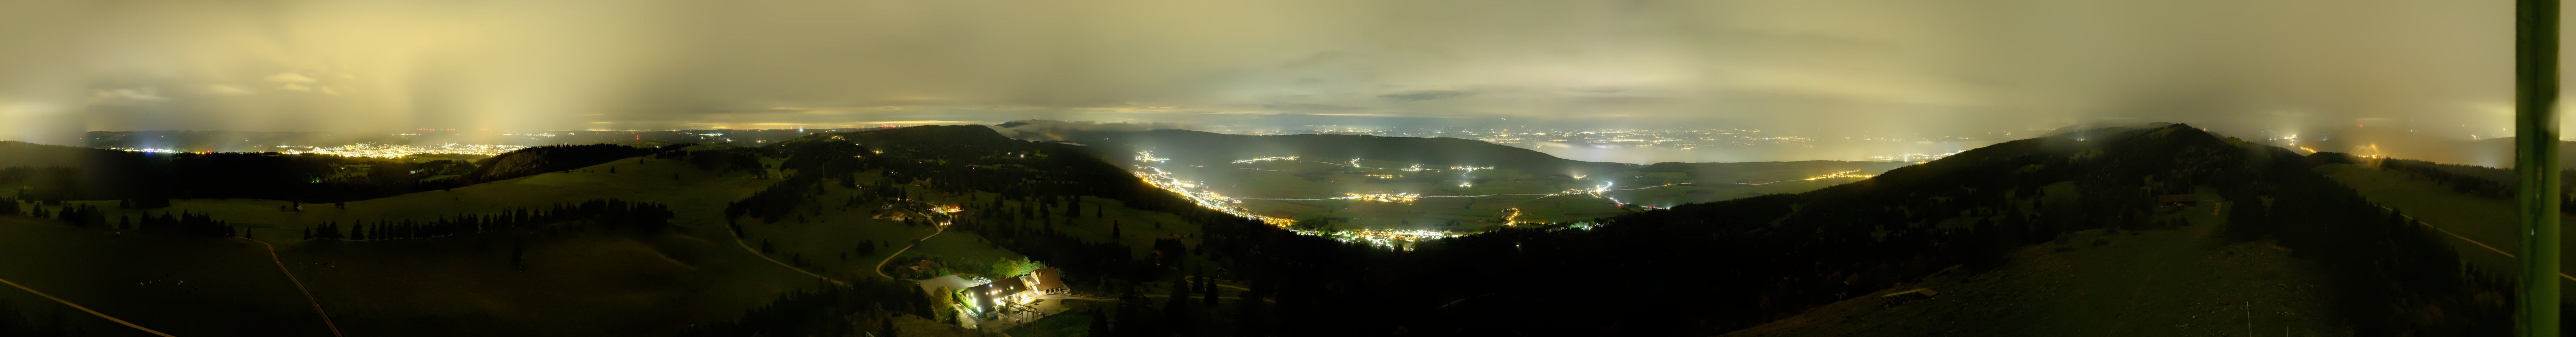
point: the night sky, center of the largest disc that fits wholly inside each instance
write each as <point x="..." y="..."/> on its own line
<point x="1819" y="67"/>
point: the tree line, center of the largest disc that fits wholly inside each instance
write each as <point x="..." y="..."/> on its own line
<point x="866" y="306"/>
<point x="2488" y="182"/>
<point x="150" y="179"/>
<point x="612" y="214"/>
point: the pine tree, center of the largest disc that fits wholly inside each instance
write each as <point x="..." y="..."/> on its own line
<point x="1181" y="289"/>
<point x="1248" y="311"/>
<point x="1208" y="287"/>
<point x="1099" y="323"/>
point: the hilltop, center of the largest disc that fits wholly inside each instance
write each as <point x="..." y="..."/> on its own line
<point x="1756" y="260"/>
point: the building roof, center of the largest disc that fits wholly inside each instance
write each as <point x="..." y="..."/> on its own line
<point x="1007" y="286"/>
<point x="1045" y="279"/>
<point x="951" y="281"/>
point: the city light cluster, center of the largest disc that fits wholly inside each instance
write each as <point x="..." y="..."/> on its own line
<point x="1392" y="239"/>
<point x="1204" y="198"/>
<point x="1382" y="238"/>
<point x="1843" y="174"/>
<point x="1263" y="159"/>
<point x="1383" y="176"/>
<point x="1148" y="156"/>
<point x="1917" y="158"/>
<point x="146" y="150"/>
<point x="1383" y="197"/>
<point x="947" y="209"/>
<point x="399" y="151"/>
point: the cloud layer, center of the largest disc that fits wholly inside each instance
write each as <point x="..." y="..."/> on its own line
<point x="1856" y="67"/>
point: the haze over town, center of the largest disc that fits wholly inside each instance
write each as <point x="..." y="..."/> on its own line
<point x="1149" y="168"/>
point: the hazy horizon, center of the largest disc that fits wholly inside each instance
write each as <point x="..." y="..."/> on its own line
<point x="1838" y="69"/>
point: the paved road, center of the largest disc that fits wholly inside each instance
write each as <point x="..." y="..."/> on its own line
<point x="880" y="268"/>
<point x="2491" y="248"/>
<point x="84" y="309"/>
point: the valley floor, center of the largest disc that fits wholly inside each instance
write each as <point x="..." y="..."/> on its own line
<point x="2176" y="282"/>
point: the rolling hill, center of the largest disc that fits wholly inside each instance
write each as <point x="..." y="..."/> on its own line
<point x="2080" y="232"/>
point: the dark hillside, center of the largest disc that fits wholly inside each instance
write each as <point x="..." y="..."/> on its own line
<point x="1721" y="266"/>
<point x="1708" y="268"/>
<point x="1427" y="151"/>
<point x="542" y="159"/>
<point x="147" y="180"/>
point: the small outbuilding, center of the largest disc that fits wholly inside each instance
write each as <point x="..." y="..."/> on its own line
<point x="950" y="282"/>
<point x="1045" y="281"/>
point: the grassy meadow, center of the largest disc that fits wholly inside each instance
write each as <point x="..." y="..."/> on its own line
<point x="2487" y="220"/>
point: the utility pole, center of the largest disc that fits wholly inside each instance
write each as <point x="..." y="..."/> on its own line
<point x="2535" y="118"/>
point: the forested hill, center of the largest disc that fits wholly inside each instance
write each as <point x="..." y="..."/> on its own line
<point x="1696" y="269"/>
<point x="1748" y="261"/>
<point x="149" y="180"/>
<point x="1709" y="268"/>
<point x="542" y="159"/>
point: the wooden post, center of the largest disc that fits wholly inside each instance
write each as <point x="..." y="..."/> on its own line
<point x="2535" y="53"/>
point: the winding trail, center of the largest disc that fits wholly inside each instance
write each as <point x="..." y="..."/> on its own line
<point x="84" y="309"/>
<point x="880" y="268"/>
<point x="299" y="285"/>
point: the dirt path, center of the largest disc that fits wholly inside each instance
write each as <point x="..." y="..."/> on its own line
<point x="84" y="309"/>
<point x="880" y="268"/>
<point x="299" y="286"/>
